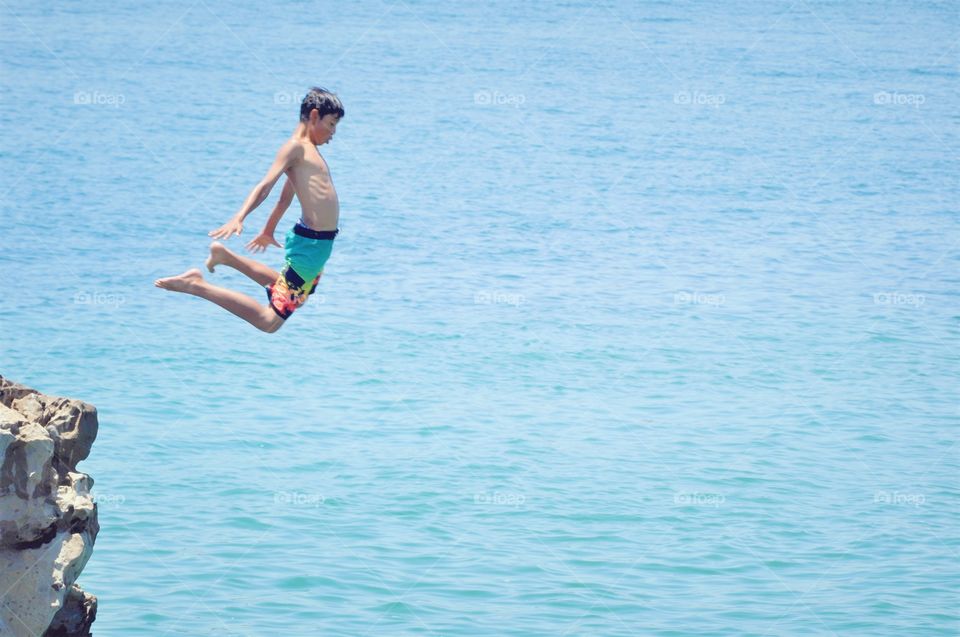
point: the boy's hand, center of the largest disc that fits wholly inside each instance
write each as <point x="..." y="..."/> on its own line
<point x="261" y="241"/>
<point x="234" y="226"/>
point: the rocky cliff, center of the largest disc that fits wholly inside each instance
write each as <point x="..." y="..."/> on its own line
<point x="48" y="520"/>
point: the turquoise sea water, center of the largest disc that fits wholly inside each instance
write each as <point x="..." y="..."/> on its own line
<point x="643" y="319"/>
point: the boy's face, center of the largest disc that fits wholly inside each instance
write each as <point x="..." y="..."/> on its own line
<point x="322" y="128"/>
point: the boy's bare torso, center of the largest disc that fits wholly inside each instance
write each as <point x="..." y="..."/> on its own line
<point x="311" y="181"/>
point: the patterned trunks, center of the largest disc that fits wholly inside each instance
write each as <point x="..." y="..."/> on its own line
<point x="306" y="252"/>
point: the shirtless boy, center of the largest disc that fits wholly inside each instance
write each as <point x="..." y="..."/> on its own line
<point x="308" y="244"/>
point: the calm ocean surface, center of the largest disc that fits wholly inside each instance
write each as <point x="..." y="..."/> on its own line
<point x="643" y="319"/>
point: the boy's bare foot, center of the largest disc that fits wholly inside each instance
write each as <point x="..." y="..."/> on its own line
<point x="218" y="254"/>
<point x="181" y="282"/>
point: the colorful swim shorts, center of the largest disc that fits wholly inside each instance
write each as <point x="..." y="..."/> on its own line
<point x="306" y="252"/>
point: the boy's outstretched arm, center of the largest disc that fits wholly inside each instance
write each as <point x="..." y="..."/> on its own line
<point x="288" y="154"/>
<point x="265" y="238"/>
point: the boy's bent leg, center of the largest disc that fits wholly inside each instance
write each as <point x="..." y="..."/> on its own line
<point x="191" y="282"/>
<point x="221" y="254"/>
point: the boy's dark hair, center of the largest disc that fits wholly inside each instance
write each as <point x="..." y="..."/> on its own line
<point x="323" y="100"/>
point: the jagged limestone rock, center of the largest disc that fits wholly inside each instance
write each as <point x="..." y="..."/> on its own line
<point x="48" y="519"/>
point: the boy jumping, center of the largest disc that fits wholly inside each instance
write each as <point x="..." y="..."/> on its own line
<point x="308" y="244"/>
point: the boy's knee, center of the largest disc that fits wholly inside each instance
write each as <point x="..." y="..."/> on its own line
<point x="273" y="327"/>
<point x="272" y="323"/>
